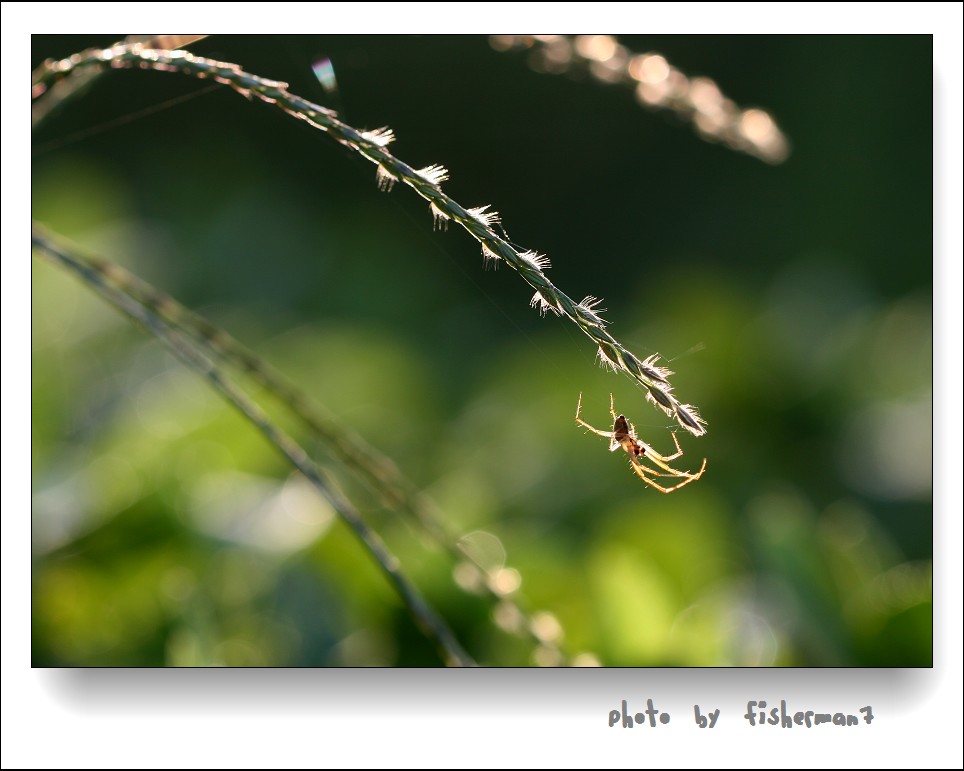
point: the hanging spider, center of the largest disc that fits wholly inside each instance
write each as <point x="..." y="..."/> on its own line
<point x="624" y="436"/>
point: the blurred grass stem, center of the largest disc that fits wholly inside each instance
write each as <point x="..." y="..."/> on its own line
<point x="425" y="617"/>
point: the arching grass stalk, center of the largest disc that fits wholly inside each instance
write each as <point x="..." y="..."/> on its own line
<point x="658" y="86"/>
<point x="377" y="470"/>
<point x="431" y="624"/>
<point x="80" y="81"/>
<point x="479" y="222"/>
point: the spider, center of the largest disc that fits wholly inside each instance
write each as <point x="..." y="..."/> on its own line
<point x="624" y="436"/>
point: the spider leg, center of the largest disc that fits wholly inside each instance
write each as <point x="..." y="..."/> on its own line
<point x="677" y="472"/>
<point x="651" y="453"/>
<point x="584" y="424"/>
<point x="671" y="472"/>
<point x="662" y="489"/>
<point x="639" y="469"/>
<point x="654" y="473"/>
<point x="612" y="407"/>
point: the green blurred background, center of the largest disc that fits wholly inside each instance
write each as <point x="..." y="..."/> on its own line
<point x="795" y="301"/>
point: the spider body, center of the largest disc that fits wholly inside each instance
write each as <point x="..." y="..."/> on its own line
<point x="623" y="436"/>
